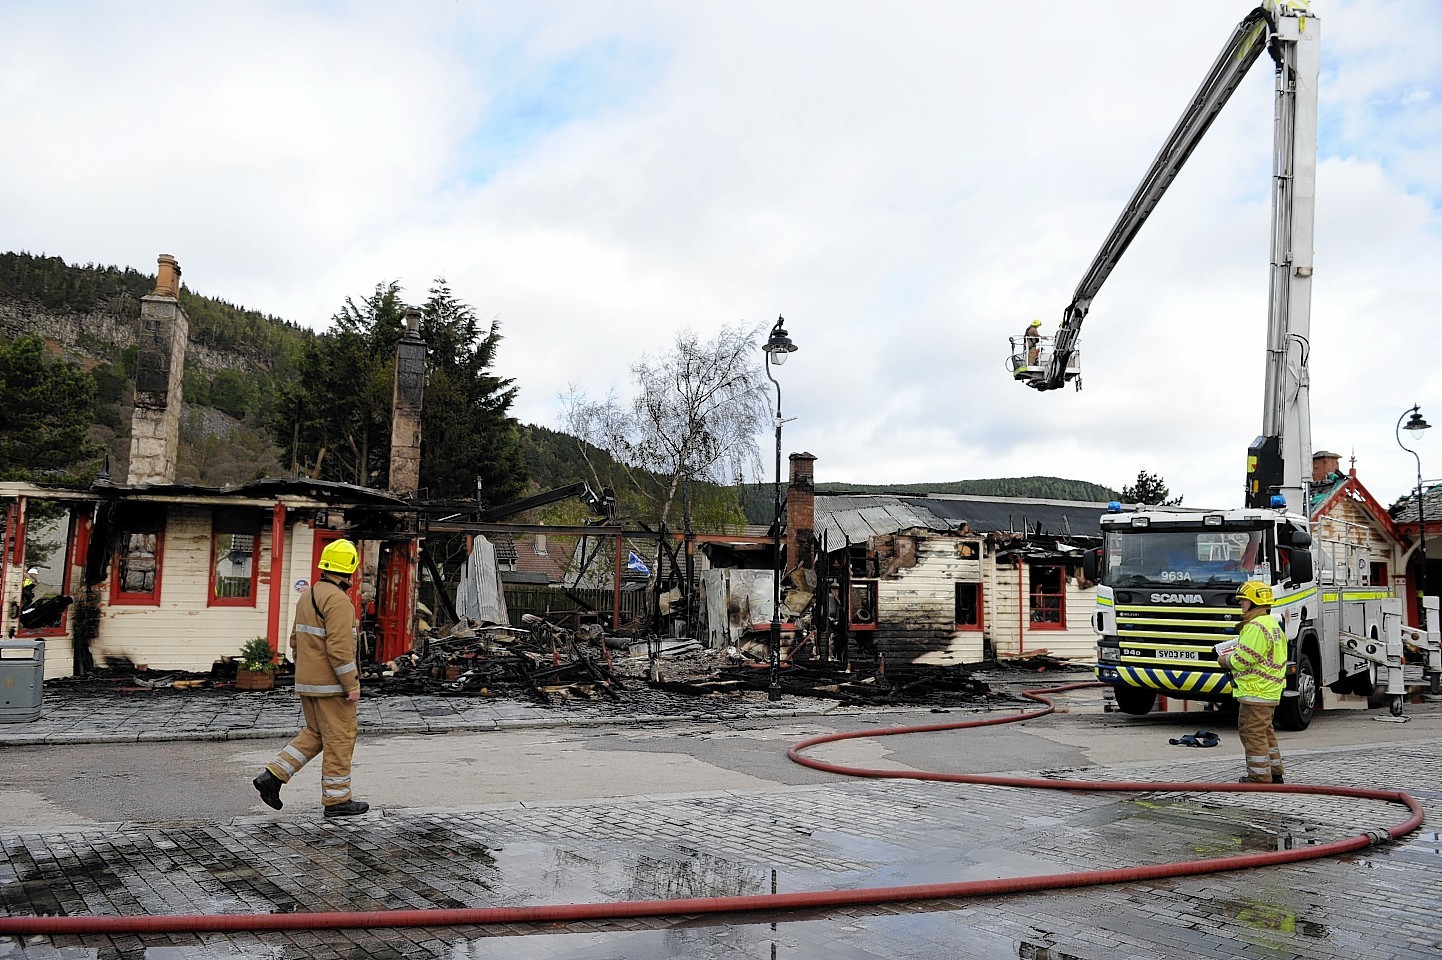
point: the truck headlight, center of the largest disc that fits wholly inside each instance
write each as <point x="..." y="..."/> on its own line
<point x="1109" y="655"/>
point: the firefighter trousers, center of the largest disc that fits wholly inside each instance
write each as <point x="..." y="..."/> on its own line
<point x="1259" y="740"/>
<point x="330" y="728"/>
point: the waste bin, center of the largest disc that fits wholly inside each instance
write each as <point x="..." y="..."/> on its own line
<point x="22" y="680"/>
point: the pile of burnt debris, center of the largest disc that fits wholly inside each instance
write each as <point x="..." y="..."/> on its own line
<point x="543" y="660"/>
<point x="547" y="663"/>
<point x="550" y="663"/>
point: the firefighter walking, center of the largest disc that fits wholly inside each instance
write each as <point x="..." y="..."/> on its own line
<point x="1258" y="665"/>
<point x="324" y="642"/>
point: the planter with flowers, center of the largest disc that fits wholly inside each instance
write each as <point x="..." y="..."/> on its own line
<point x="255" y="668"/>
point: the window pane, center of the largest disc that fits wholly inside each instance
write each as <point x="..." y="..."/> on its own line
<point x="968" y="606"/>
<point x="1046" y="594"/>
<point x="137" y="562"/>
<point x="234" y="561"/>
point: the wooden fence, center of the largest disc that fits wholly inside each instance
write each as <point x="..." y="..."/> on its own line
<point x="570" y="608"/>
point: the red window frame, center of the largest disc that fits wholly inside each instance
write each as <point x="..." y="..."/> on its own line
<point x="138" y="524"/>
<point x="1039" y="602"/>
<point x="70" y="554"/>
<point x="233" y="523"/>
<point x="980" y="623"/>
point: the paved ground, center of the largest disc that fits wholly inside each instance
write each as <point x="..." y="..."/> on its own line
<point x="850" y="833"/>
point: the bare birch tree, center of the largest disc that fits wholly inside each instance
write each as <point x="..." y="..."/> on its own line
<point x="695" y="416"/>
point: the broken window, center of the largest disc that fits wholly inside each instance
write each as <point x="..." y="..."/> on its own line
<point x="45" y="539"/>
<point x="138" y="552"/>
<point x="861" y="605"/>
<point x="968" y="606"/>
<point x="1048" y="597"/>
<point x="234" y="557"/>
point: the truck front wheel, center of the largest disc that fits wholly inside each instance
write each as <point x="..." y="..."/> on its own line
<point x="1295" y="712"/>
<point x="1135" y="700"/>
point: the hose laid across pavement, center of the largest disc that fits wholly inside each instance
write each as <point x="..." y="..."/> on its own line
<point x="813" y="899"/>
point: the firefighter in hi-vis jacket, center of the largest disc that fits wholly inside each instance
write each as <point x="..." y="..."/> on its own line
<point x="328" y="682"/>
<point x="1258" y="664"/>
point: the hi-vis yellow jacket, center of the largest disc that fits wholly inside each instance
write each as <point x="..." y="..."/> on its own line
<point x="324" y="642"/>
<point x="1259" y="664"/>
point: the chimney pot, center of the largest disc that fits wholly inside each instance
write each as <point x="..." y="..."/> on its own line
<point x="167" y="278"/>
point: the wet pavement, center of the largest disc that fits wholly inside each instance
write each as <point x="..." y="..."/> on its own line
<point x="1384" y="902"/>
<point x="129" y="715"/>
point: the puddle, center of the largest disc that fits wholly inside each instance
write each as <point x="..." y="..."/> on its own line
<point x="602" y="873"/>
<point x="876" y="862"/>
<point x="1264" y="916"/>
<point x="943" y="933"/>
<point x="55" y="886"/>
<point x="1034" y="951"/>
<point x="190" y="952"/>
<point x="1204" y="831"/>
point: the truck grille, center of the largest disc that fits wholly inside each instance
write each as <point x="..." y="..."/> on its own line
<point x="1175" y="636"/>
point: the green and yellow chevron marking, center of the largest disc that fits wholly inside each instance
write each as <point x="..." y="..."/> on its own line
<point x="1176" y="681"/>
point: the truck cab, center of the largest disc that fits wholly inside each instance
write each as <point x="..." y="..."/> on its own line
<point x="1167" y="579"/>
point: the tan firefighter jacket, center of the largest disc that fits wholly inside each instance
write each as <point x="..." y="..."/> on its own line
<point x="324" y="642"/>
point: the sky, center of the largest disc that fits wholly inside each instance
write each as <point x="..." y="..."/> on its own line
<point x="907" y="183"/>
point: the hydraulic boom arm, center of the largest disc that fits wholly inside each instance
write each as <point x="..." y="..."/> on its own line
<point x="1279" y="459"/>
<point x="1243" y="47"/>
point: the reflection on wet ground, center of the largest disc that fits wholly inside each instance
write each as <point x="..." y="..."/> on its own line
<point x="847" y="835"/>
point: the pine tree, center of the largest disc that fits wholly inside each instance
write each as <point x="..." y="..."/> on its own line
<point x="467" y="434"/>
<point x="333" y="418"/>
<point x="1149" y="489"/>
<point x="45" y="412"/>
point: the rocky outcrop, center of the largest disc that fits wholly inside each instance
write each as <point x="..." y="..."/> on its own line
<point x="102" y="336"/>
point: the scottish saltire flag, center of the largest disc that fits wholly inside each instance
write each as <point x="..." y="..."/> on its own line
<point x="635" y="563"/>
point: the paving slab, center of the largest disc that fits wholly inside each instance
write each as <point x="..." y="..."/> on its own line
<point x="1383" y="902"/>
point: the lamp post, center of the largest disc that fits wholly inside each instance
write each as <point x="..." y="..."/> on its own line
<point x="777" y="348"/>
<point x="1414" y="427"/>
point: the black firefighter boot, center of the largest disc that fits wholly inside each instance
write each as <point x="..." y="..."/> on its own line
<point x="351" y="808"/>
<point x="269" y="786"/>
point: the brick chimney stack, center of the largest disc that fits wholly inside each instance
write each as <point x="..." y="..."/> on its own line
<point x="159" y="364"/>
<point x="406" y="397"/>
<point x="1324" y="464"/>
<point x="801" y="513"/>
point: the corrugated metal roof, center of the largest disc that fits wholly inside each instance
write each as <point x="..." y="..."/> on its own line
<point x="856" y="518"/>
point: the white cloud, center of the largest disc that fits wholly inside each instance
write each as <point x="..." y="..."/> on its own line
<point x="908" y="183"/>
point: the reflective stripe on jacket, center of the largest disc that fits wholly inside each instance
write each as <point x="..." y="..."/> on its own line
<point x="1259" y="664"/>
<point x="324" y="642"/>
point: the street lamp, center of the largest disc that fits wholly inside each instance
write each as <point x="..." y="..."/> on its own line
<point x="1414" y="428"/>
<point x="777" y="348"/>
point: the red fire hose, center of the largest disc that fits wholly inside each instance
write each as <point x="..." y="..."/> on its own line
<point x="203" y="923"/>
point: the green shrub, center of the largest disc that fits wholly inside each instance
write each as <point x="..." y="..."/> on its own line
<point x="256" y="655"/>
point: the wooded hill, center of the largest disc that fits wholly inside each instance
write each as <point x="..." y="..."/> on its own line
<point x="1046" y="488"/>
<point x="239" y="358"/>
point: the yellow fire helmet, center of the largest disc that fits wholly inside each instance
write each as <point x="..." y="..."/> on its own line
<point x="1036" y="323"/>
<point x="339" y="556"/>
<point x="1256" y="591"/>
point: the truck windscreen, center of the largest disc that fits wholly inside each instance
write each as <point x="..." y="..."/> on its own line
<point x="1195" y="558"/>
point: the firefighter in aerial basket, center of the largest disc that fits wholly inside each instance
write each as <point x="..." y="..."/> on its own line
<point x="1257" y="660"/>
<point x="327" y="679"/>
